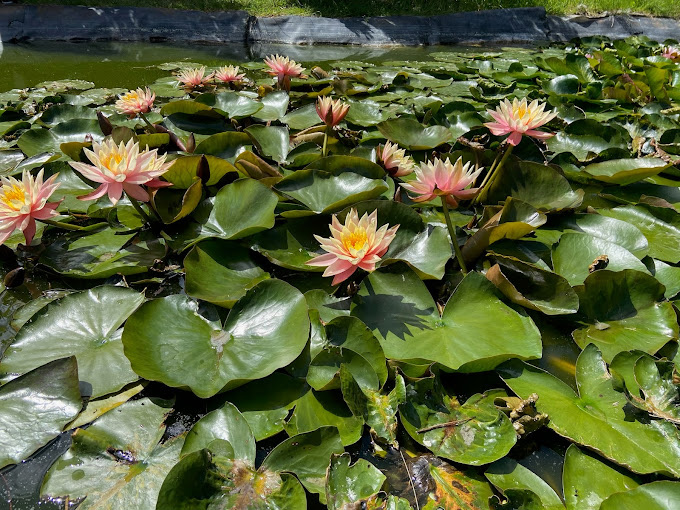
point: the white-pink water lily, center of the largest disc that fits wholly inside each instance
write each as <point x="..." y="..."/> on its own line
<point x="134" y="102"/>
<point x="284" y="69"/>
<point x="671" y="52"/>
<point x="193" y="78"/>
<point x="394" y="160"/>
<point x="331" y="112"/>
<point x="22" y="202"/>
<point x="520" y="118"/>
<point x="359" y="243"/>
<point x="121" y="168"/>
<point x="228" y="74"/>
<point x="441" y="178"/>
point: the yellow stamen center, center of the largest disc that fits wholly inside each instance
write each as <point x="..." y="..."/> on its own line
<point x="355" y="241"/>
<point x="106" y="161"/>
<point x="13" y="196"/>
<point x="521" y="111"/>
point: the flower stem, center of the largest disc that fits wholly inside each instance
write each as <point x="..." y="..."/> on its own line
<point x="69" y="226"/>
<point x="139" y="209"/>
<point x="148" y="124"/>
<point x="324" y="149"/>
<point x="488" y="180"/>
<point x="452" y="233"/>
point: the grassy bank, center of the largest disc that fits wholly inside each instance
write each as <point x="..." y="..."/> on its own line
<point x="340" y="8"/>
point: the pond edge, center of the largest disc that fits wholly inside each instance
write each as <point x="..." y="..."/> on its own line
<point x="519" y="25"/>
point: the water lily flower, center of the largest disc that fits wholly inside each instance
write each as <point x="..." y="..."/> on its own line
<point x="443" y="179"/>
<point x="671" y="52"/>
<point x="520" y="118"/>
<point x="394" y="160"/>
<point x="228" y="74"/>
<point x="193" y="78"/>
<point x="23" y="202"/>
<point x="284" y="69"/>
<point x="134" y="102"/>
<point x="359" y="243"/>
<point x="122" y="168"/>
<point x="330" y="111"/>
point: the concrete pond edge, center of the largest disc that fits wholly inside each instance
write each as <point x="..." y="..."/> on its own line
<point x="520" y="25"/>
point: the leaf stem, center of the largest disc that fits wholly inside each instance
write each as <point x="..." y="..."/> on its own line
<point x="69" y="226"/>
<point x="453" y="423"/>
<point x="452" y="233"/>
<point x="488" y="180"/>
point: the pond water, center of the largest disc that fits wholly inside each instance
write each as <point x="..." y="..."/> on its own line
<point x="121" y="64"/>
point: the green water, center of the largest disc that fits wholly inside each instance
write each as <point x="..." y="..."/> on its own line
<point x="126" y="64"/>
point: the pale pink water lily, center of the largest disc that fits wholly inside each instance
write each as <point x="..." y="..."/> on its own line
<point x="228" y="74"/>
<point x="671" y="52"/>
<point x="134" y="102"/>
<point x="284" y="69"/>
<point x="331" y="112"/>
<point x="520" y="118"/>
<point x="22" y="202"/>
<point x="443" y="179"/>
<point x="394" y="160"/>
<point x="122" y="168"/>
<point x="359" y="243"/>
<point x="193" y="78"/>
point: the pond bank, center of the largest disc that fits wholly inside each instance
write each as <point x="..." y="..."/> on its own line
<point x="77" y="23"/>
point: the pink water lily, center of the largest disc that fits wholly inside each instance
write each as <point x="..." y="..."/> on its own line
<point x="443" y="179"/>
<point x="331" y="112"/>
<point x="520" y="118"/>
<point x="193" y="78"/>
<point x="134" y="102"/>
<point x="22" y="202"/>
<point x="122" y="168"/>
<point x="359" y="243"/>
<point x="284" y="69"/>
<point x="394" y="160"/>
<point x="671" y="52"/>
<point x="228" y="74"/>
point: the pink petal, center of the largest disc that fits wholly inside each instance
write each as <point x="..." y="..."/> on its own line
<point x="337" y="267"/>
<point x="99" y="192"/>
<point x="136" y="192"/>
<point x="115" y="191"/>
<point x="29" y="231"/>
<point x="322" y="260"/>
<point x="341" y="277"/>
<point x="515" y="138"/>
<point x="541" y="135"/>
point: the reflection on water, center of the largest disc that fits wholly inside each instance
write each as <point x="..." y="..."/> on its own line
<point x="128" y="64"/>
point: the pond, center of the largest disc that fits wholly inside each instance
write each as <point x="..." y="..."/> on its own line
<point x="503" y="222"/>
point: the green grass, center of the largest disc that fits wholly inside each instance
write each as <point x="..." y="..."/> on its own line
<point x="341" y="8"/>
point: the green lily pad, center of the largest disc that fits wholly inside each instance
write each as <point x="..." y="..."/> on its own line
<point x="63" y="112"/>
<point x="117" y="461"/>
<point x="224" y="424"/>
<point x="626" y="171"/>
<point x="474" y="433"/>
<point x="85" y="325"/>
<point x="412" y="135"/>
<point x="26" y="421"/>
<point x="332" y="183"/>
<point x="102" y="254"/>
<point x="225" y="145"/>
<point x="596" y="417"/>
<point x="38" y="140"/>
<point x="231" y="104"/>
<point x="576" y="252"/>
<point x="541" y="186"/>
<point x="508" y="475"/>
<point x="662" y="495"/>
<point x="184" y="170"/>
<point x="274" y="106"/>
<point x="624" y="311"/>
<point x="266" y="330"/>
<point x="532" y="287"/>
<point x="589" y="480"/>
<point x="351" y="485"/>
<point x="220" y="272"/>
<point x="397" y="306"/>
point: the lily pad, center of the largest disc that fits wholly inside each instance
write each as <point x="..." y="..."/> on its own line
<point x="626" y="171"/>
<point x="412" y="135"/>
<point x="85" y="325"/>
<point x="596" y="417"/>
<point x="399" y="309"/>
<point x="266" y="330"/>
<point x="26" y="422"/>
